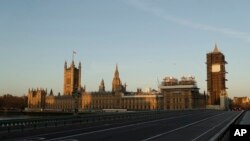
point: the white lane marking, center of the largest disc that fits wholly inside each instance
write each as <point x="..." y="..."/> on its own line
<point x="211" y="128"/>
<point x="34" y="139"/>
<point x="70" y="130"/>
<point x="141" y="123"/>
<point x="187" y="125"/>
<point x="68" y="140"/>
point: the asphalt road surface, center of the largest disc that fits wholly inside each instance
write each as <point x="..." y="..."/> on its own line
<point x="197" y="125"/>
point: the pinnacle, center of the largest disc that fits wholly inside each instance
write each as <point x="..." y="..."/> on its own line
<point x="216" y="49"/>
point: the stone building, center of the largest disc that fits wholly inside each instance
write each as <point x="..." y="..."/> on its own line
<point x="241" y="100"/>
<point x="119" y="98"/>
<point x="60" y="103"/>
<point x="180" y="95"/>
<point x="174" y="95"/>
<point x="40" y="99"/>
<point x="37" y="98"/>
<point x="95" y="101"/>
<point x="72" y="78"/>
<point x="216" y="77"/>
<point x="117" y="83"/>
<point x="142" y="101"/>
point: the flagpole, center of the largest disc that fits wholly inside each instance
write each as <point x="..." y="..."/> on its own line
<point x="73" y="55"/>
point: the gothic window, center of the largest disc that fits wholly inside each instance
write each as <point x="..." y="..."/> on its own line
<point x="68" y="81"/>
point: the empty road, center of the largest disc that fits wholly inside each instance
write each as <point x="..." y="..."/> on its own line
<point x="197" y="125"/>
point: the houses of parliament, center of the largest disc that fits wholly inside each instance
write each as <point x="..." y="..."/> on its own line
<point x="173" y="94"/>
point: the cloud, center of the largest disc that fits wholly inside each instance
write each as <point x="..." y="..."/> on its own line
<point x="147" y="7"/>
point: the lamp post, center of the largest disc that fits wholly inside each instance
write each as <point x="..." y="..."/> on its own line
<point x="76" y="95"/>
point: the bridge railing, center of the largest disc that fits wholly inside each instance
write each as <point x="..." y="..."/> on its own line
<point x="35" y="123"/>
<point x="224" y="134"/>
<point x="23" y="124"/>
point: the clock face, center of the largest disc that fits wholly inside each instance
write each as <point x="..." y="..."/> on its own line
<point x="215" y="68"/>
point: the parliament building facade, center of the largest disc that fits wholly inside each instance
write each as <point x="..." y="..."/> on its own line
<point x="173" y="94"/>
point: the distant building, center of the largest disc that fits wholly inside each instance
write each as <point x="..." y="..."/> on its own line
<point x="118" y="98"/>
<point x="36" y="98"/>
<point x="40" y="99"/>
<point x="102" y="87"/>
<point x="174" y="95"/>
<point x="72" y="78"/>
<point x="240" y="103"/>
<point x="180" y="95"/>
<point x="117" y="84"/>
<point x="60" y="103"/>
<point x="216" y="76"/>
<point x="241" y="100"/>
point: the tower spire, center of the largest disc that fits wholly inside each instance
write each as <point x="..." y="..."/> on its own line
<point x="116" y="71"/>
<point x="116" y="84"/>
<point x="216" y="48"/>
<point x="65" y="64"/>
<point x="102" y="86"/>
<point x="102" y="82"/>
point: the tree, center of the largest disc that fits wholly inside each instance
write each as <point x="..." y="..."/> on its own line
<point x="9" y="102"/>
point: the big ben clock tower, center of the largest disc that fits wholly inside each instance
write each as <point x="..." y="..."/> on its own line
<point x="216" y="75"/>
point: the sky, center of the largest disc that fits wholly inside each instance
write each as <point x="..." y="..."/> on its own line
<point x="148" y="39"/>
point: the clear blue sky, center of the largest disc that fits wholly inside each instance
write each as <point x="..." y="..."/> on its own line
<point x="149" y="39"/>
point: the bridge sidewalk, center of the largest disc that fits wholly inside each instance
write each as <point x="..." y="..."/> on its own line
<point x="246" y="118"/>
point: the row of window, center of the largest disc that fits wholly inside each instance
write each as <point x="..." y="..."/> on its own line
<point x="177" y="107"/>
<point x="132" y="107"/>
<point x="176" y="100"/>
